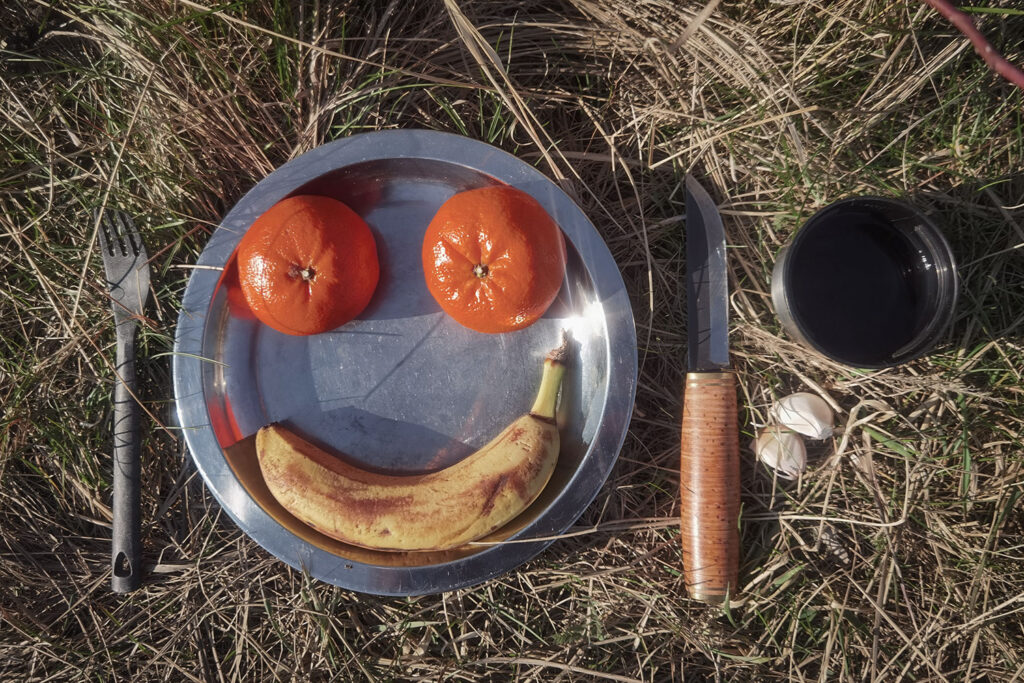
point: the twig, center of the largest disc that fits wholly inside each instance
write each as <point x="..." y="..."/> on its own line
<point x="965" y="25"/>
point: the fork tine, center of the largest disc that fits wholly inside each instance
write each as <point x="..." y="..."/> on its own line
<point x="106" y="243"/>
<point x="122" y="240"/>
<point x="110" y="231"/>
<point x="122" y="234"/>
<point x="129" y="233"/>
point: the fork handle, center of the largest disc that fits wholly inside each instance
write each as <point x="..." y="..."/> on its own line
<point x="126" y="555"/>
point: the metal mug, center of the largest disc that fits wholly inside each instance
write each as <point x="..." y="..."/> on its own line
<point x="867" y="281"/>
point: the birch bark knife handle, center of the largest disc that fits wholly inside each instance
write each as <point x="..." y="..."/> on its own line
<point x="709" y="486"/>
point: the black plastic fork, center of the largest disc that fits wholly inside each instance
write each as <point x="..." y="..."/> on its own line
<point x="127" y="268"/>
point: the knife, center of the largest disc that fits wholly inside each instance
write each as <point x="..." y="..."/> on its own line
<point x="709" y="449"/>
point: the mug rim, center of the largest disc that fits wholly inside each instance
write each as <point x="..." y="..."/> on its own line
<point x="945" y="273"/>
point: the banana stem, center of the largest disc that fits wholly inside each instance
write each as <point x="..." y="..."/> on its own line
<point x="550" y="381"/>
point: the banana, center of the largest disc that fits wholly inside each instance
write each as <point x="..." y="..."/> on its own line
<point x="435" y="511"/>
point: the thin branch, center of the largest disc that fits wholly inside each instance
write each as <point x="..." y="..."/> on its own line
<point x="965" y="25"/>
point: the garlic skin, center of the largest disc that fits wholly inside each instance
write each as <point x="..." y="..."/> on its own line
<point x="782" y="450"/>
<point x="805" y="413"/>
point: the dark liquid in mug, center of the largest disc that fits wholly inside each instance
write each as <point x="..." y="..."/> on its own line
<point x="859" y="288"/>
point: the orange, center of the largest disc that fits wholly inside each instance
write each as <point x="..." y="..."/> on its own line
<point x="308" y="265"/>
<point x="493" y="259"/>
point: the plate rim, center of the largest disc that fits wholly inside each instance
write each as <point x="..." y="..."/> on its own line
<point x="602" y="453"/>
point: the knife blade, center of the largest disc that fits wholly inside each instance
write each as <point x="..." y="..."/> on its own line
<point x="709" y="447"/>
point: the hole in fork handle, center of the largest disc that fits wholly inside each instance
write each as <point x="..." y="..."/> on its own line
<point x="122" y="565"/>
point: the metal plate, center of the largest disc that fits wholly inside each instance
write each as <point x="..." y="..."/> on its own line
<point x="403" y="388"/>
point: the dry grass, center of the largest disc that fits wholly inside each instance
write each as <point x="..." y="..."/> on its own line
<point x="899" y="554"/>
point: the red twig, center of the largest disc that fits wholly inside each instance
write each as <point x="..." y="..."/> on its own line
<point x="965" y="24"/>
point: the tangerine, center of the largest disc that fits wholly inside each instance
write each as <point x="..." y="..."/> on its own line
<point x="308" y="265"/>
<point x="493" y="259"/>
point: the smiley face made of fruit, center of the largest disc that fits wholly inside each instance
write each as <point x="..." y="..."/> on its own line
<point x="494" y="260"/>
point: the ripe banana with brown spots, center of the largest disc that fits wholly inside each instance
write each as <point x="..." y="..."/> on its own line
<point x="435" y="511"/>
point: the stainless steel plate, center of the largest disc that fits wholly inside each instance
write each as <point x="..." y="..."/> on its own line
<point x="404" y="388"/>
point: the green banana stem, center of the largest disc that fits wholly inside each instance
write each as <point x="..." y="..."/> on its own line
<point x="550" y="381"/>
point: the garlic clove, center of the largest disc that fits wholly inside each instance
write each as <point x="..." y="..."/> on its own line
<point x="805" y="413"/>
<point x="782" y="450"/>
